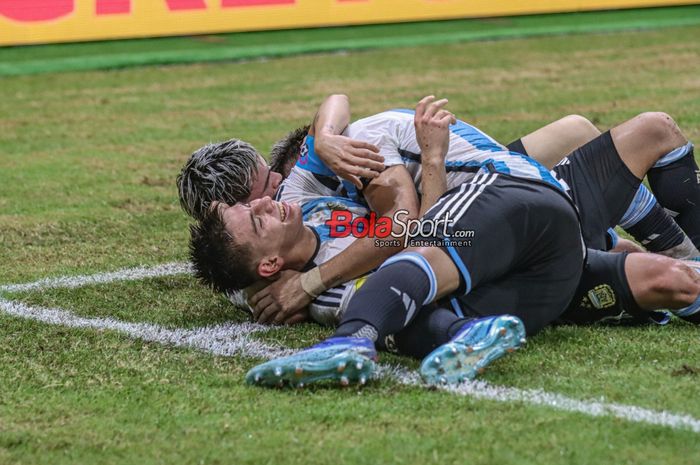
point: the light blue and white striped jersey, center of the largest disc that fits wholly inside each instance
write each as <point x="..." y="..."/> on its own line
<point x="393" y="132"/>
<point x="470" y="150"/>
<point x="319" y="191"/>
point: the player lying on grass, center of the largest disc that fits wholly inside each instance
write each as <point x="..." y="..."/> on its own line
<point x="278" y="218"/>
<point x="645" y="218"/>
<point x="605" y="290"/>
<point x="526" y="258"/>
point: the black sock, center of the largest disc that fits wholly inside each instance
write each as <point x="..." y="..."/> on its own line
<point x="674" y="181"/>
<point x="650" y="224"/>
<point x="390" y="299"/>
<point x="433" y="327"/>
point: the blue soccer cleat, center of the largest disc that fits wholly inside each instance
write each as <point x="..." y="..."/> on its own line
<point x="343" y="359"/>
<point x="475" y="346"/>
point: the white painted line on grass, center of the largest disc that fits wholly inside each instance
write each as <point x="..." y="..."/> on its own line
<point x="235" y="339"/>
<point x="127" y="274"/>
<point x="226" y="339"/>
<point x="483" y="390"/>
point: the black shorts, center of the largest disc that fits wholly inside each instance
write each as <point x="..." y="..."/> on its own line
<point x="517" y="245"/>
<point x="518" y="147"/>
<point x="604" y="295"/>
<point x="601" y="186"/>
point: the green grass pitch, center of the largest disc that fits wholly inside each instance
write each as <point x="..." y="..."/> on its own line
<point x="87" y="168"/>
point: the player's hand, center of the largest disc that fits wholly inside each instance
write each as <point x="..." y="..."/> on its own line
<point x="432" y="123"/>
<point x="282" y="302"/>
<point x="349" y="158"/>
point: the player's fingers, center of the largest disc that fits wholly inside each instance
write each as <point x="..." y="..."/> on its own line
<point x="360" y="160"/>
<point x="258" y="296"/>
<point x="354" y="180"/>
<point x="279" y="317"/>
<point x="367" y="154"/>
<point x="366" y="145"/>
<point x="445" y="117"/>
<point x="365" y="172"/>
<point x="268" y="314"/>
<point x="295" y="319"/>
<point x="283" y="315"/>
<point x="261" y="305"/>
<point x="422" y="103"/>
<point x="434" y="107"/>
<point x="441" y="114"/>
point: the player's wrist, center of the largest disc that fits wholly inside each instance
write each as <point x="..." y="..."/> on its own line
<point x="312" y="283"/>
<point x="326" y="132"/>
<point x="433" y="160"/>
<point x="323" y="145"/>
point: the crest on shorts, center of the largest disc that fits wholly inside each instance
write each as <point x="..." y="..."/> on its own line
<point x="602" y="296"/>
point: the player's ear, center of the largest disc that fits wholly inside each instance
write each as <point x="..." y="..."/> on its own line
<point x="268" y="266"/>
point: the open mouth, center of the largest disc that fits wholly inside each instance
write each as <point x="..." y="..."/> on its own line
<point x="283" y="211"/>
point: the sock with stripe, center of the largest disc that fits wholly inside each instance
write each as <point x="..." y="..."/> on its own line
<point x="653" y="227"/>
<point x="390" y="299"/>
<point x="674" y="179"/>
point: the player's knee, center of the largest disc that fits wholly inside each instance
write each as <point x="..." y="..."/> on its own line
<point x="678" y="283"/>
<point x="659" y="129"/>
<point x="658" y="273"/>
<point x="683" y="300"/>
<point x="688" y="285"/>
<point x="581" y="126"/>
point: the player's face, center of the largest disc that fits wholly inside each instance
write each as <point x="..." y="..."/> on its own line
<point x="270" y="228"/>
<point x="265" y="182"/>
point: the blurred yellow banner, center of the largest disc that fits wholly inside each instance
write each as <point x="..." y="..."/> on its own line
<point x="44" y="21"/>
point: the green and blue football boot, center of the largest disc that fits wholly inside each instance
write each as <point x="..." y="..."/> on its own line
<point x="475" y="346"/>
<point x="347" y="360"/>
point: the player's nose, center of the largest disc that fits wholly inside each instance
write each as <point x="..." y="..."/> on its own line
<point x="263" y="205"/>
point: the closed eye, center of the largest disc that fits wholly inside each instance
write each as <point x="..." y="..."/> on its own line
<point x="253" y="221"/>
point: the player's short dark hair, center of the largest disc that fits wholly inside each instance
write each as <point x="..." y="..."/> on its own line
<point x="220" y="261"/>
<point x="287" y="150"/>
<point x="222" y="171"/>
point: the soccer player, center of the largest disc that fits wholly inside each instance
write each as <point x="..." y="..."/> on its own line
<point x="276" y="217"/>
<point x="527" y="261"/>
<point x="645" y="214"/>
<point x="605" y="291"/>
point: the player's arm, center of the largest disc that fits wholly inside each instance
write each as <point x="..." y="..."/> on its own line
<point x="393" y="192"/>
<point x="348" y="158"/>
<point x="432" y="134"/>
